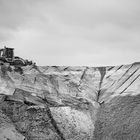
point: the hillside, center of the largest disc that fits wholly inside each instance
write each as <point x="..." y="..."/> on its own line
<point x="70" y="103"/>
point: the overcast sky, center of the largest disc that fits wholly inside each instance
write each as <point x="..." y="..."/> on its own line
<point x="72" y="32"/>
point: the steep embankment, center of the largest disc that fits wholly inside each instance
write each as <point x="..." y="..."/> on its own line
<point x="70" y="103"/>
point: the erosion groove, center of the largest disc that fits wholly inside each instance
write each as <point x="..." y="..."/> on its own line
<point x="102" y="71"/>
<point x="128" y="78"/>
<point x="125" y="72"/>
<point x="70" y="103"/>
<point x="54" y="124"/>
<point x="130" y="84"/>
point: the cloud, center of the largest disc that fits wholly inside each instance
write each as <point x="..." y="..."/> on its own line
<point x="72" y="32"/>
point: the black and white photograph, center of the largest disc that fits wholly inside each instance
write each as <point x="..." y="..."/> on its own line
<point x="69" y="69"/>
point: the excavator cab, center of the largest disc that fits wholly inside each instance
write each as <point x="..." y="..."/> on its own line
<point x="7" y="54"/>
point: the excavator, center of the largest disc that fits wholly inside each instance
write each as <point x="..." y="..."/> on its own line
<point x="7" y="56"/>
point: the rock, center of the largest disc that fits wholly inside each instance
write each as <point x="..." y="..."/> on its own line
<point x="8" y="130"/>
<point x="70" y="103"/>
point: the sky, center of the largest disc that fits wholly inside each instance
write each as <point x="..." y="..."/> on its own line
<point x="72" y="32"/>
